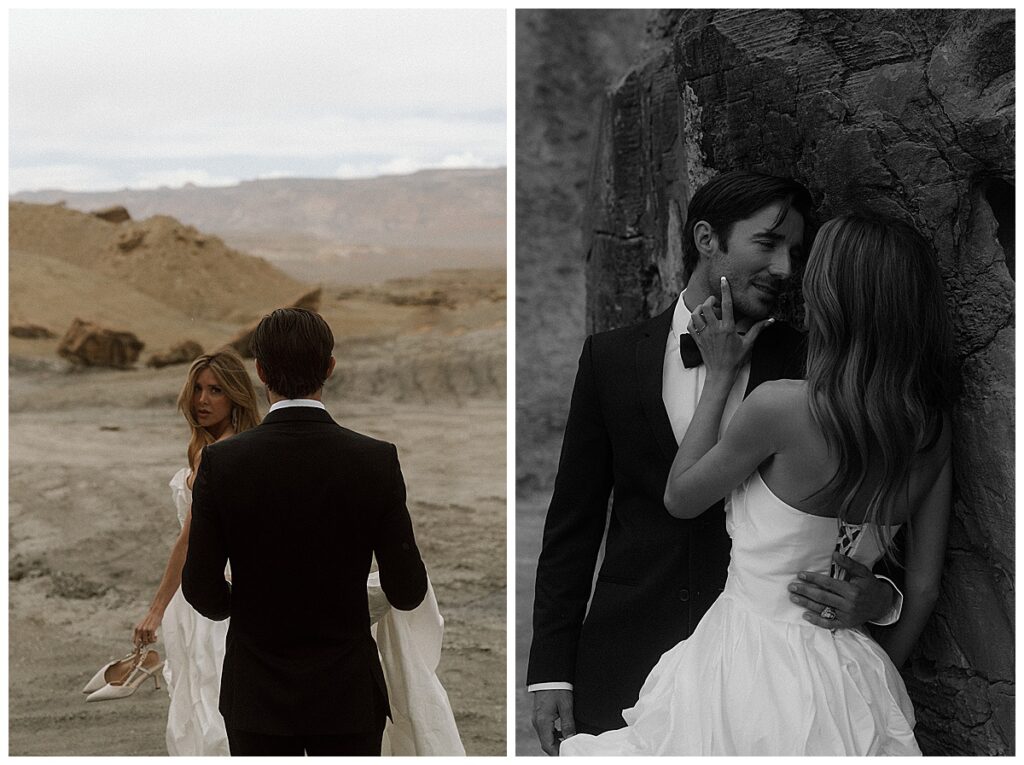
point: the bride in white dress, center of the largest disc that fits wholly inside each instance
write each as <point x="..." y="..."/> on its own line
<point x="757" y="677"/>
<point x="218" y="401"/>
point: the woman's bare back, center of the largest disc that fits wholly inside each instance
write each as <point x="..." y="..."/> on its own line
<point x="802" y="465"/>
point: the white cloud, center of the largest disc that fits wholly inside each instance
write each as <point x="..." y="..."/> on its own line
<point x="465" y="159"/>
<point x="403" y="165"/>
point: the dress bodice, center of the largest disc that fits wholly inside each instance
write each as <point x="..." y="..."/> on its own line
<point x="181" y="493"/>
<point x="773" y="541"/>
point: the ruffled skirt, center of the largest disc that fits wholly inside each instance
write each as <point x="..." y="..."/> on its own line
<point x="744" y="684"/>
<point x="195" y="654"/>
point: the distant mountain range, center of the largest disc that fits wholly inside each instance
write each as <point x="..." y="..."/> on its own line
<point x="355" y="230"/>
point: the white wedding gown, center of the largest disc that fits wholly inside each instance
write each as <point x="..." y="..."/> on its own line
<point x="409" y="643"/>
<point x="755" y="678"/>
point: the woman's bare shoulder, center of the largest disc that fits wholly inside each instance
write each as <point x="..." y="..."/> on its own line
<point x="779" y="395"/>
<point x="783" y="413"/>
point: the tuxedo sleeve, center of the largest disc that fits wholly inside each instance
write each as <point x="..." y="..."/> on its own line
<point x="573" y="530"/>
<point x="402" y="574"/>
<point x="202" y="577"/>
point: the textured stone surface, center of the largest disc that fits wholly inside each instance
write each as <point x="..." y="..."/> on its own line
<point x="182" y="353"/>
<point x="908" y="113"/>
<point x="88" y="344"/>
<point x="564" y="62"/>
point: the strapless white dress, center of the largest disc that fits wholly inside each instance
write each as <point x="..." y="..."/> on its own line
<point x="409" y="643"/>
<point x="755" y="678"/>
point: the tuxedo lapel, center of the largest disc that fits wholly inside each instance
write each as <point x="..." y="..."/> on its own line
<point x="650" y="367"/>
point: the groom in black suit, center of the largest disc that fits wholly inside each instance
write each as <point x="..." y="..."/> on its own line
<point x="636" y="389"/>
<point x="300" y="506"/>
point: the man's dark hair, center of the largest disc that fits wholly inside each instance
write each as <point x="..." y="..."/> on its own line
<point x="738" y="195"/>
<point x="294" y="348"/>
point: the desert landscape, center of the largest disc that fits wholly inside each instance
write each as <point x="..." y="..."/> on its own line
<point x="421" y="362"/>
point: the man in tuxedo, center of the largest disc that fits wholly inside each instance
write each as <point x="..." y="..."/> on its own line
<point x="300" y="506"/>
<point x="635" y="392"/>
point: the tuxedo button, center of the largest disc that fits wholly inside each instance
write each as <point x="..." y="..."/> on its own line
<point x="684" y="594"/>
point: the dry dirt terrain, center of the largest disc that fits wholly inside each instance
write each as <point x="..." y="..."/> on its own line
<point x="421" y="362"/>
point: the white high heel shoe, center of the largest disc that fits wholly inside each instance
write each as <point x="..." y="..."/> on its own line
<point x="113" y="671"/>
<point x="148" y="667"/>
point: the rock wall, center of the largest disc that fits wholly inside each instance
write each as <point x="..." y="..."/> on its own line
<point x="564" y="62"/>
<point x="906" y="112"/>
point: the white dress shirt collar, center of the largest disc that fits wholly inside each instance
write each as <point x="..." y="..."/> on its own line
<point x="681" y="316"/>
<point x="287" y="402"/>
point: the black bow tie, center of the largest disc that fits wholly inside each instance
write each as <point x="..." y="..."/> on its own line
<point x="689" y="351"/>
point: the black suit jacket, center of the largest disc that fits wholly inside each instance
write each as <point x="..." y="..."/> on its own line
<point x="300" y="506"/>
<point x="659" y="574"/>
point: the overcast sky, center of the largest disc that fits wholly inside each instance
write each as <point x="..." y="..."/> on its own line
<point x="102" y="100"/>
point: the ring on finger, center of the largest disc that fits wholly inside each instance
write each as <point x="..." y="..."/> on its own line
<point x="828" y="613"/>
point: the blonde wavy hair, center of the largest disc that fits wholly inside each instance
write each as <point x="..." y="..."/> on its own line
<point x="880" y="363"/>
<point x="229" y="369"/>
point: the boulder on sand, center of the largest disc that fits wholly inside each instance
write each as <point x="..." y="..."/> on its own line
<point x="30" y="331"/>
<point x="115" y="214"/>
<point x="240" y="342"/>
<point x="182" y="353"/>
<point x="88" y="344"/>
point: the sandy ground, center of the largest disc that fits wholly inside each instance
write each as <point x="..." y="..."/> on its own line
<point x="91" y="519"/>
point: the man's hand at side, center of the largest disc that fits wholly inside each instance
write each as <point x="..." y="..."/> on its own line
<point x="552" y="718"/>
<point x="863" y="598"/>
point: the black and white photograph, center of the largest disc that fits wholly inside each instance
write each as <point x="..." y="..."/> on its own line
<point x="257" y="419"/>
<point x="765" y="382"/>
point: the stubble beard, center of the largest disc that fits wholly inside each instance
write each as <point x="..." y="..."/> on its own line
<point x="746" y="309"/>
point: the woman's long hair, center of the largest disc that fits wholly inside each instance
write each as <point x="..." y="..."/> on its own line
<point x="880" y="368"/>
<point x="229" y="369"/>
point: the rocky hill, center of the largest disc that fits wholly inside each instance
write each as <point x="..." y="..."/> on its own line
<point x="360" y="230"/>
<point x="157" y="277"/>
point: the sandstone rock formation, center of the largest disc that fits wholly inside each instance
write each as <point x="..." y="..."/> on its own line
<point x="908" y="113"/>
<point x="183" y="269"/>
<point x="240" y="342"/>
<point x="88" y="344"/>
<point x="113" y="214"/>
<point x="129" y="240"/>
<point x="30" y="331"/>
<point x="182" y="353"/>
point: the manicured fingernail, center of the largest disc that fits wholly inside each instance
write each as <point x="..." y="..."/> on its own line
<point x="792" y="588"/>
<point x="802" y="575"/>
